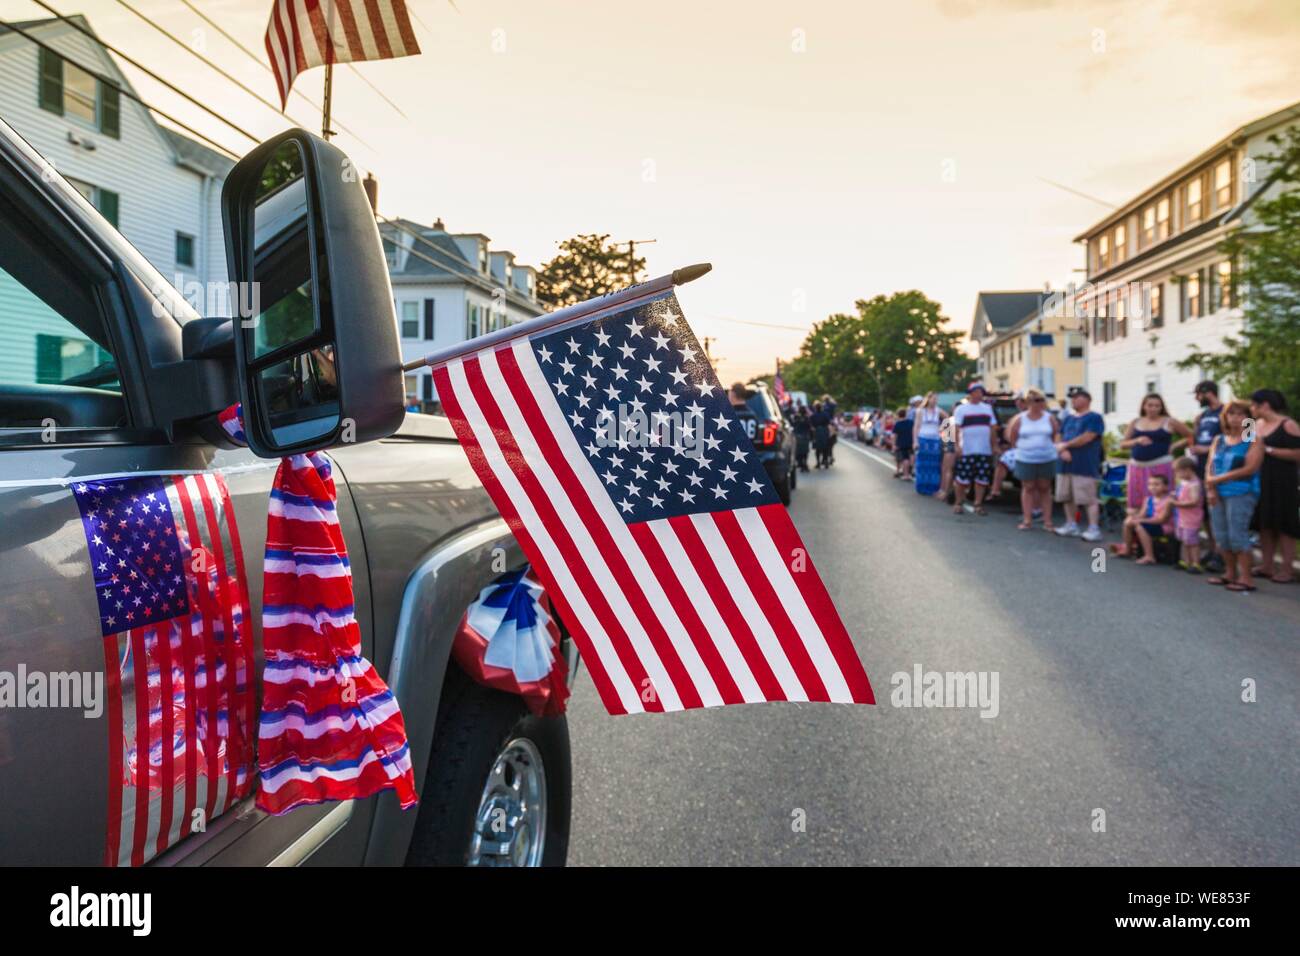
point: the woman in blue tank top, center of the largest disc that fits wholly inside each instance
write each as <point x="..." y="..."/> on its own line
<point x="1148" y="439"/>
<point x="1232" y="489"/>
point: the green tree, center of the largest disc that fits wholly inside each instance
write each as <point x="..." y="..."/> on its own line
<point x="1267" y="352"/>
<point x="586" y="266"/>
<point x="865" y="358"/>
<point x="924" y="377"/>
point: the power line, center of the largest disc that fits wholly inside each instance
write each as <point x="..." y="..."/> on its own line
<point x="124" y="92"/>
<point x="361" y="76"/>
<point x="1081" y="195"/>
<point x="148" y="72"/>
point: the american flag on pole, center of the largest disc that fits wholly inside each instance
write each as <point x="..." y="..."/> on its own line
<point x="611" y="450"/>
<point x="178" y="655"/>
<point x="302" y="34"/>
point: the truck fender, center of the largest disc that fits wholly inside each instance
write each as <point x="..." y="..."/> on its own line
<point x="442" y="585"/>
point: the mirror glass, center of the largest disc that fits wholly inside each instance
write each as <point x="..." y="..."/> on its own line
<point x="297" y="386"/>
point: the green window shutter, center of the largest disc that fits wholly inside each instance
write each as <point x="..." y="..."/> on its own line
<point x="110" y="110"/>
<point x="49" y="359"/>
<point x="51" y="81"/>
<point x="108" y="206"/>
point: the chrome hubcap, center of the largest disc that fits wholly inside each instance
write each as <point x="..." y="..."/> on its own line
<point x="510" y="826"/>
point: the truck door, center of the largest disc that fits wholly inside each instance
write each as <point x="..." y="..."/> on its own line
<point x="130" y="577"/>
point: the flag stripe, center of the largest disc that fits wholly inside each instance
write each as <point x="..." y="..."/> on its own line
<point x="228" y="639"/>
<point x="564" y="472"/>
<point x="700" y="598"/>
<point x="113" y="689"/>
<point x="199" y="601"/>
<point x="610" y="625"/>
<point x="777" y="566"/>
<point x="140" y="687"/>
<point x="666" y="577"/>
<point x="611" y="680"/>
<point x="810" y="584"/>
<point x="721" y="591"/>
<point x="741" y="549"/>
<point x="245" y="611"/>
<point x="162" y="634"/>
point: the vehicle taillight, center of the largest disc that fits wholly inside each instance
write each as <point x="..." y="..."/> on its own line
<point x="769" y="433"/>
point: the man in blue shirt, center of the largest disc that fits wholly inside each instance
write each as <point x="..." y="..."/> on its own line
<point x="1204" y="430"/>
<point x="1080" y="456"/>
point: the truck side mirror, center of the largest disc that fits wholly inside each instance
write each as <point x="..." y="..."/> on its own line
<point x="316" y="346"/>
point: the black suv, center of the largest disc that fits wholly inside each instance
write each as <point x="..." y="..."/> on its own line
<point x="761" y="417"/>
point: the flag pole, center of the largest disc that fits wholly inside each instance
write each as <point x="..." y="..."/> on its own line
<point x="619" y="301"/>
<point x="325" y="130"/>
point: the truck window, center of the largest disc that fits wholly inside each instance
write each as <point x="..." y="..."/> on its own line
<point x="56" y="360"/>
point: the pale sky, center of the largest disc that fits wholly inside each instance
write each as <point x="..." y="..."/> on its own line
<point x="814" y="152"/>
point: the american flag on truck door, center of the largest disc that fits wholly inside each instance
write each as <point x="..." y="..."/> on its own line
<point x="178" y="655"/>
<point x="302" y="34"/>
<point x="614" y="455"/>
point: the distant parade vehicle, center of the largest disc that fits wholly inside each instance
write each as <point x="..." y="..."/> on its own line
<point x="761" y="418"/>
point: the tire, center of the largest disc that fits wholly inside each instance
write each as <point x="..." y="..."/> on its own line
<point x="783" y="489"/>
<point x="475" y="726"/>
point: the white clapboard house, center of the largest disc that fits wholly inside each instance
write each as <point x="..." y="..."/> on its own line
<point x="449" y="287"/>
<point x="1158" y="284"/>
<point x="161" y="189"/>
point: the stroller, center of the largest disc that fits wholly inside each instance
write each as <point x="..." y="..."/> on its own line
<point x="1112" y="492"/>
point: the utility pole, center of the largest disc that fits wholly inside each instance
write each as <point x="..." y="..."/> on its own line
<point x="631" y="255"/>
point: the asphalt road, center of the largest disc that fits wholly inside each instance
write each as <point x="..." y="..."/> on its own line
<point x="1119" y="691"/>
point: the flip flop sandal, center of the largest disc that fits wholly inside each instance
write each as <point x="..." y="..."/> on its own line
<point x="1218" y="582"/>
<point x="981" y="511"/>
<point x="1025" y="526"/>
<point x="1287" y="580"/>
<point x="1241" y="588"/>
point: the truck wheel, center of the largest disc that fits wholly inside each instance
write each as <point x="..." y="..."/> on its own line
<point x="499" y="785"/>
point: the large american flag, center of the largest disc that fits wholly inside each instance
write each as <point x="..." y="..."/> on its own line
<point x="612" y="451"/>
<point x="302" y="34"/>
<point x="172" y="595"/>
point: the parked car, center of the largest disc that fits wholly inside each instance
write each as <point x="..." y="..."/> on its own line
<point x="112" y="374"/>
<point x="773" y="438"/>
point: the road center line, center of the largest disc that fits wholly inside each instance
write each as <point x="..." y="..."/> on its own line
<point x="867" y="454"/>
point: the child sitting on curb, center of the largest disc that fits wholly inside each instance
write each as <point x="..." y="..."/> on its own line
<point x="1146" y="523"/>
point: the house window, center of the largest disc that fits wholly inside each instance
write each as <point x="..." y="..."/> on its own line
<point x="1148" y="226"/>
<point x="1109" y="397"/>
<point x="67" y="90"/>
<point x="1162" y="219"/>
<point x="472" y="330"/>
<point x="1073" y="345"/>
<point x="1156" y="307"/>
<point x="428" y="320"/>
<point x="1194" y="202"/>
<point x="1221" y="285"/>
<point x="1121" y="316"/>
<point x="482" y="258"/>
<point x="184" y="250"/>
<point x="1099" y="320"/>
<point x="410" y="320"/>
<point x="1103" y="252"/>
<point x="390" y="254"/>
<point x="1121" y="243"/>
<point x="1223" y="184"/>
<point x="105" y="200"/>
<point x="1192" y="296"/>
<point x="412" y="385"/>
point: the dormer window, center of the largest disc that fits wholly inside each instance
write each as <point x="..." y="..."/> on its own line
<point x="69" y="91"/>
<point x="1121" y="244"/>
<point x="483" y="258"/>
<point x="1223" y="184"/>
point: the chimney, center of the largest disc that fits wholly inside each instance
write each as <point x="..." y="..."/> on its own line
<point x="437" y="224"/>
<point x="371" y="186"/>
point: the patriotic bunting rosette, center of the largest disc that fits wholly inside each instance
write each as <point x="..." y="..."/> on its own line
<point x="329" y="729"/>
<point x="509" y="640"/>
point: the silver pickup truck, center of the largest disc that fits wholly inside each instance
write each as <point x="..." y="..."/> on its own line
<point x="313" y="355"/>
